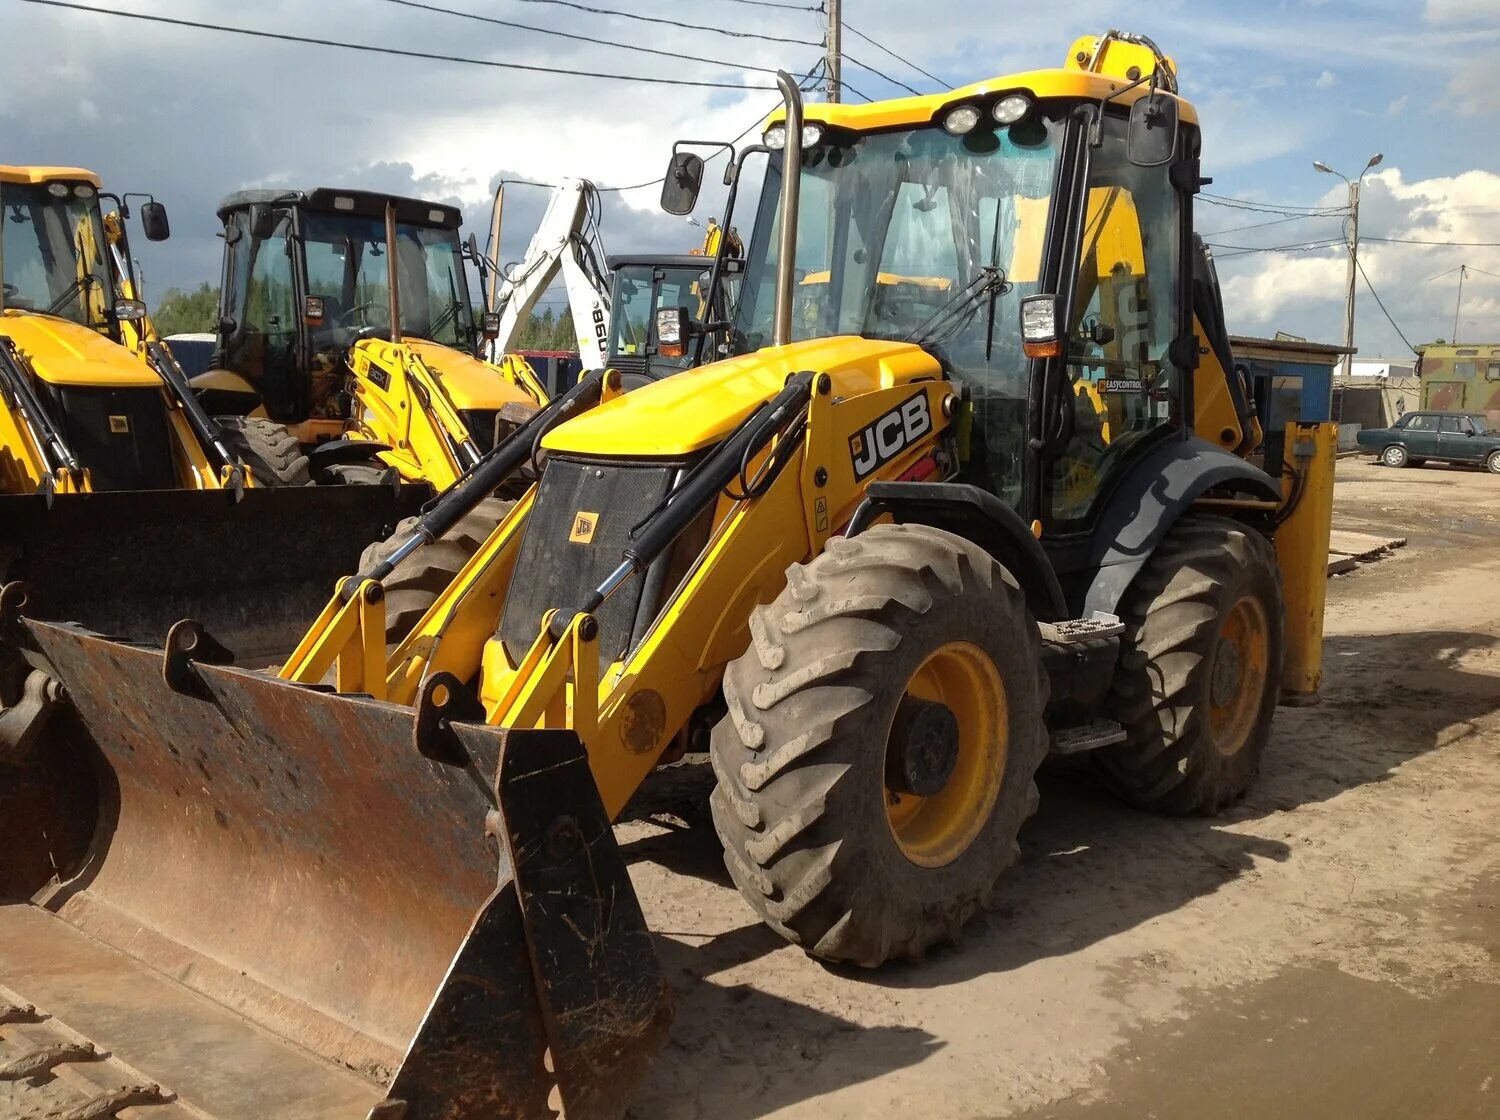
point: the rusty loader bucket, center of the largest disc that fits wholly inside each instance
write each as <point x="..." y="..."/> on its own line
<point x="262" y="899"/>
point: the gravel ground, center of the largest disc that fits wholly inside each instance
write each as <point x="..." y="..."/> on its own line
<point x="1330" y="947"/>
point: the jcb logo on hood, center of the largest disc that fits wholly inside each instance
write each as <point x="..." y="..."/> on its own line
<point x="890" y="434"/>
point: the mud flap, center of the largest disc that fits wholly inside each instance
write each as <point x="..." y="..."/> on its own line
<point x="291" y="854"/>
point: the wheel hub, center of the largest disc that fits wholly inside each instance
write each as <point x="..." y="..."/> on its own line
<point x="923" y="749"/>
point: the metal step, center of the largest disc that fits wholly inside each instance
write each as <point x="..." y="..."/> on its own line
<point x="1087" y="737"/>
<point x="1098" y="625"/>
<point x="193" y="1058"/>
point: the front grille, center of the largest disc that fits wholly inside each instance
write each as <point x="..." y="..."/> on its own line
<point x="575" y="536"/>
<point x="481" y="425"/>
<point x="120" y="435"/>
<point x="630" y="363"/>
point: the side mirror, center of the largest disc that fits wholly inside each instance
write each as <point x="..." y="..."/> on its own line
<point x="679" y="190"/>
<point x="154" y="221"/>
<point x="471" y="250"/>
<point x="1151" y="140"/>
<point x="129" y="310"/>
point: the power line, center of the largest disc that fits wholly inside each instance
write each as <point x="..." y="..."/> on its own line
<point x="1381" y="305"/>
<point x="905" y="61"/>
<point x="866" y="66"/>
<point x="637" y="186"/>
<point x="1262" y="225"/>
<point x="1448" y="244"/>
<point x="1269" y="208"/>
<point x="581" y="38"/>
<point x="673" y="23"/>
<point x="1299" y="247"/>
<point x="774" y="4"/>
<point x="371" y="49"/>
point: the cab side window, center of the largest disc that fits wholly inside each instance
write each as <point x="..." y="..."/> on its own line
<point x="1125" y="311"/>
<point x="1419" y="422"/>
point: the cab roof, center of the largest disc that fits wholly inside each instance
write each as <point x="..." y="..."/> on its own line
<point x="30" y="175"/>
<point x="1096" y="67"/>
<point x="911" y="112"/>
<point x="334" y="200"/>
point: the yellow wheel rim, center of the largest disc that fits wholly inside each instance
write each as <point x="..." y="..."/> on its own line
<point x="935" y="830"/>
<point x="1237" y="677"/>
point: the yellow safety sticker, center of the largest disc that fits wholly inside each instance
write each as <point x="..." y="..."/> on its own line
<point x="584" y="525"/>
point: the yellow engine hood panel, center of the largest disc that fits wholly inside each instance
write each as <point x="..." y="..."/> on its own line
<point x="470" y="382"/>
<point x="697" y="409"/>
<point x="66" y="353"/>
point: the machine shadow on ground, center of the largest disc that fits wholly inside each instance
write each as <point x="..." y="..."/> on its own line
<point x="1092" y="867"/>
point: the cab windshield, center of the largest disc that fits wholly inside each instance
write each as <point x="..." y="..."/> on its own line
<point x="640" y="290"/>
<point x="913" y="235"/>
<point x="346" y="266"/>
<point x="54" y="252"/>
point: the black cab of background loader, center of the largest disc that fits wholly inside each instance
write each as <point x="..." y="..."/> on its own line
<point x="641" y="284"/>
<point x="307" y="277"/>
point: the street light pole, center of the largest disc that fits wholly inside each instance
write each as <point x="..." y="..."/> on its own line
<point x="1354" y="187"/>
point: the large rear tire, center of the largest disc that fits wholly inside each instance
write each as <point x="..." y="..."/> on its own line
<point x="271" y="452"/>
<point x="418" y="580"/>
<point x="884" y="730"/>
<point x="1200" y="669"/>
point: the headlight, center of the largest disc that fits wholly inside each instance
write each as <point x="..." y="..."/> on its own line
<point x="775" y="137"/>
<point x="57" y="190"/>
<point x="961" y="120"/>
<point x="1011" y="108"/>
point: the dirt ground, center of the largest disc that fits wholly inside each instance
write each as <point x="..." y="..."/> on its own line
<point x="1329" y="948"/>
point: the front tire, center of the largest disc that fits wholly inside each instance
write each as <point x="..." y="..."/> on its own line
<point x="883" y="732"/>
<point x="373" y="473"/>
<point x="415" y="583"/>
<point x="1394" y="456"/>
<point x="271" y="452"/>
<point x="1199" y="671"/>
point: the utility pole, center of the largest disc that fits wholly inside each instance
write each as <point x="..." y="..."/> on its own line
<point x="1463" y="270"/>
<point x="1353" y="255"/>
<point x="835" y="51"/>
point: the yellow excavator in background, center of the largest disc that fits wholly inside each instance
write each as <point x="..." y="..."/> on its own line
<point x="878" y="562"/>
<point x="346" y="315"/>
<point x="124" y="502"/>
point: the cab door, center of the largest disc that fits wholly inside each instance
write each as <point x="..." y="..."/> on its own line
<point x="1457" y="440"/>
<point x="1420" y="435"/>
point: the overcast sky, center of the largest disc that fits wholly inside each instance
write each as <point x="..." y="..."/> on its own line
<point x="191" y="115"/>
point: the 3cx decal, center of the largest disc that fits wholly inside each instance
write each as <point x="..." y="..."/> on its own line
<point x="889" y="434"/>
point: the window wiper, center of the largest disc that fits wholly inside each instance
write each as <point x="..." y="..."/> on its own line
<point x="67" y="294"/>
<point x="990" y="282"/>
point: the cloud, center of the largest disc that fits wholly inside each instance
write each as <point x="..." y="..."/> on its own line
<point x="1303" y="292"/>
<point x="1461" y="11"/>
<point x="1326" y="80"/>
<point x="1396" y="107"/>
<point x="1473" y="91"/>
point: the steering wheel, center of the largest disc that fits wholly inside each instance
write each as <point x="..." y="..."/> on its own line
<point x="344" y="318"/>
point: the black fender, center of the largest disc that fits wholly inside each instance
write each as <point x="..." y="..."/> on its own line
<point x="1149" y="500"/>
<point x="978" y="516"/>
<point x="335" y="452"/>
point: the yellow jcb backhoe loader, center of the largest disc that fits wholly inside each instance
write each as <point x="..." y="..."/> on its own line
<point x="878" y="562"/>
<point x="346" y="315"/>
<point x="124" y="503"/>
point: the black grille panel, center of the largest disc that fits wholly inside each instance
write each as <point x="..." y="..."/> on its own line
<point x="556" y="570"/>
<point x="120" y="435"/>
<point x="481" y="425"/>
